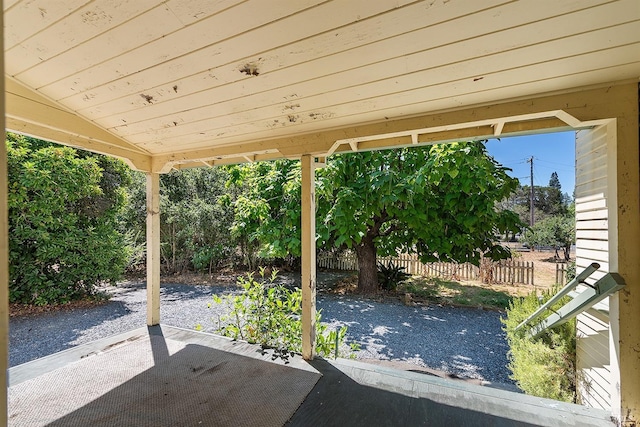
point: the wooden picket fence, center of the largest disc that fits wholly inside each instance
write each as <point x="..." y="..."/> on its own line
<point x="561" y="273"/>
<point x="505" y="271"/>
<point x="508" y="271"/>
<point x="451" y="270"/>
<point x="345" y="262"/>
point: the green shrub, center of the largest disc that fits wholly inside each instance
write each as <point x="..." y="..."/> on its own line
<point x="570" y="273"/>
<point x="63" y="206"/>
<point x="270" y="315"/>
<point x="206" y="258"/>
<point x="545" y="366"/>
<point x="389" y="277"/>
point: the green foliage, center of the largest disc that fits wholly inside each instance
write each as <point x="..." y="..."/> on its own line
<point x="389" y="277"/>
<point x="267" y="214"/>
<point x="554" y="181"/>
<point x="547" y="201"/>
<point x="421" y="289"/>
<point x="546" y="366"/>
<point x="438" y="201"/>
<point x="196" y="214"/>
<point x="570" y="273"/>
<point x="270" y="315"/>
<point x="557" y="231"/>
<point x="132" y="221"/>
<point x="63" y="207"/>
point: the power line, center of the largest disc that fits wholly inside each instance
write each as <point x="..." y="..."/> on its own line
<point x="555" y="163"/>
<point x="554" y="168"/>
<point x="514" y="162"/>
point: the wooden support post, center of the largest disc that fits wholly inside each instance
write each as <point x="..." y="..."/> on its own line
<point x="4" y="251"/>
<point x="624" y="253"/>
<point x="153" y="249"/>
<point x="308" y="257"/>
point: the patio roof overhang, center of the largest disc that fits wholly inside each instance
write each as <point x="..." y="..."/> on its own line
<point x="168" y="84"/>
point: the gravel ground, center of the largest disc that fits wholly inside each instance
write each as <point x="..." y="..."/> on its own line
<point x="465" y="342"/>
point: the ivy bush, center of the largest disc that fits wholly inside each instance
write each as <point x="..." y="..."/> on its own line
<point x="62" y="221"/>
<point x="269" y="314"/>
<point x="545" y="366"/>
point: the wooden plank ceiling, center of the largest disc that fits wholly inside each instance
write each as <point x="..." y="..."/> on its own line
<point x="161" y="82"/>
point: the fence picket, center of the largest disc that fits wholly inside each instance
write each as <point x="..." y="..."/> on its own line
<point x="561" y="273"/>
<point x="504" y="271"/>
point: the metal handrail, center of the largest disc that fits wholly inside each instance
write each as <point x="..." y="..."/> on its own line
<point x="580" y="278"/>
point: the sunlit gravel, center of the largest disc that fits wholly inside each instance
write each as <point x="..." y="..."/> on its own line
<point x="465" y="342"/>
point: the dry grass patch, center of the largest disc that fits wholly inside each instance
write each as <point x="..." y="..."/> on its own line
<point x="461" y="293"/>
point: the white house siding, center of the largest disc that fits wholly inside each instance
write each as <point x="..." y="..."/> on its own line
<point x="593" y="201"/>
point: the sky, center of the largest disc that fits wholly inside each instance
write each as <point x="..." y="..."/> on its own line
<point x="552" y="152"/>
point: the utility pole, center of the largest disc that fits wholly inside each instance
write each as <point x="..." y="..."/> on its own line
<point x="531" y="220"/>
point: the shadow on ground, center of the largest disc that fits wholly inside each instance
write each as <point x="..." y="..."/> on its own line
<point x="337" y="400"/>
<point x="32" y="337"/>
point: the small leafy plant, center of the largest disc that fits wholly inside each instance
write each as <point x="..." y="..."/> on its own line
<point x="269" y="314"/>
<point x="389" y="277"/>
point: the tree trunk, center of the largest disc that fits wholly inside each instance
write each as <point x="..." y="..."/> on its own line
<point x="368" y="275"/>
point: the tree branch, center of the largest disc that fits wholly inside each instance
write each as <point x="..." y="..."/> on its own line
<point x="390" y="230"/>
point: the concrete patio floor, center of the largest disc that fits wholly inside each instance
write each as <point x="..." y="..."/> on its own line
<point x="166" y="376"/>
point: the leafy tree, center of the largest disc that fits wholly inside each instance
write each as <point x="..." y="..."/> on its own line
<point x="437" y="201"/>
<point x="557" y="231"/>
<point x="548" y="201"/>
<point x="63" y="206"/>
<point x="267" y="211"/>
<point x="132" y="221"/>
<point x="196" y="214"/>
<point x="196" y="218"/>
<point x="553" y="196"/>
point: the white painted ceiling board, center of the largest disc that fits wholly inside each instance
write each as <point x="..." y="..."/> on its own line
<point x="190" y="11"/>
<point x="380" y="111"/>
<point x="67" y="33"/>
<point x="127" y="36"/>
<point x="355" y="58"/>
<point x="487" y="64"/>
<point x="352" y="67"/>
<point x="361" y="33"/>
<point x="587" y="41"/>
<point x="368" y="99"/>
<point x="202" y="75"/>
<point x="203" y="44"/>
<point x="21" y="103"/>
<point x="40" y="14"/>
<point x="195" y="39"/>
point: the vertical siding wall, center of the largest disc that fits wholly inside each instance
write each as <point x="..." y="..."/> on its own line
<point x="592" y="245"/>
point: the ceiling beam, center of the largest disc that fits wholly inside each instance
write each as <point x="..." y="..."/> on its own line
<point x="30" y="113"/>
<point x="320" y="147"/>
<point x="516" y="117"/>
